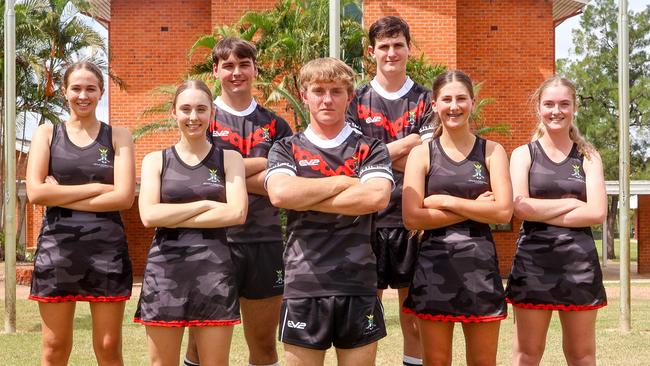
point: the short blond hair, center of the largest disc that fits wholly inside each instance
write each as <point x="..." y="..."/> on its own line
<point x="327" y="70"/>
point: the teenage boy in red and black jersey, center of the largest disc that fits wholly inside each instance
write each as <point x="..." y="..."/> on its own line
<point x="394" y="109"/>
<point x="256" y="247"/>
<point x="331" y="179"/>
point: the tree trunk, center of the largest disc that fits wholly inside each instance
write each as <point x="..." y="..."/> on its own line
<point x="612" y="215"/>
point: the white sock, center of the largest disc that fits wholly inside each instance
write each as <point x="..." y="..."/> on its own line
<point x="271" y="364"/>
<point x="187" y="362"/>
<point x="412" y="361"/>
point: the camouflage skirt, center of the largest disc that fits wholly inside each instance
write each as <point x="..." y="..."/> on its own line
<point x="81" y="256"/>
<point x="189" y="280"/>
<point x="456" y="276"/>
<point x="555" y="268"/>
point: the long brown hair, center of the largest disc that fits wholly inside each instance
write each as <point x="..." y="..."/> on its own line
<point x="584" y="147"/>
<point x="438" y="83"/>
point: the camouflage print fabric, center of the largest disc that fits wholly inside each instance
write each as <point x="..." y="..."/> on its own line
<point x="189" y="278"/>
<point x="389" y="117"/>
<point x="251" y="133"/>
<point x="556" y="268"/>
<point x="329" y="254"/>
<point x="81" y="256"/>
<point x="456" y="274"/>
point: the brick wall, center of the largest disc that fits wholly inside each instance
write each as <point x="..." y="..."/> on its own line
<point x="507" y="44"/>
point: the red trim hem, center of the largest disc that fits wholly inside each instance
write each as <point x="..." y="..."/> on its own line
<point x="187" y="323"/>
<point x="560" y="307"/>
<point x="88" y="298"/>
<point x="456" y="318"/>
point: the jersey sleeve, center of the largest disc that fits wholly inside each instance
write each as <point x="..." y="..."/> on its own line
<point x="280" y="160"/>
<point x="425" y="126"/>
<point x="377" y="164"/>
<point x="283" y="130"/>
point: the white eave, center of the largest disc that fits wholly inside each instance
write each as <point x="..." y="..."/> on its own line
<point x="565" y="9"/>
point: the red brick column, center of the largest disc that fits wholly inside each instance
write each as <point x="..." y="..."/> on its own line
<point x="643" y="229"/>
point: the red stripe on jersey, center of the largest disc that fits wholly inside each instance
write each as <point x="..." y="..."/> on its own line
<point x="317" y="163"/>
<point x="456" y="318"/>
<point x="68" y="298"/>
<point x="393" y="127"/>
<point x="187" y="323"/>
<point x="245" y="144"/>
<point x="560" y="307"/>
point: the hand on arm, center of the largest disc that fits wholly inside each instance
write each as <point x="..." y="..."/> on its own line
<point x="417" y="216"/>
<point x="255" y="174"/>
<point x="299" y="193"/>
<point x="595" y="210"/>
<point x="358" y="199"/>
<point x="156" y="214"/>
<point x="498" y="209"/>
<point x="401" y="148"/>
<point x="47" y="192"/>
<point x="121" y="196"/>
<point x="233" y="211"/>
<point x="534" y="209"/>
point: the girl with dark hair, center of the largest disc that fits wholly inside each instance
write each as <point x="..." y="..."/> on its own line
<point x="83" y="171"/>
<point x="190" y="192"/>
<point x="454" y="187"/>
<point x="559" y="192"/>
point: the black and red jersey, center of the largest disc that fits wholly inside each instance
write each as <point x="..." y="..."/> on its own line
<point x="251" y="132"/>
<point x="329" y="254"/>
<point x="389" y="117"/>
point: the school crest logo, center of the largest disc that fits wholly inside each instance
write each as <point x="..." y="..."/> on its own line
<point x="279" y="281"/>
<point x="371" y="326"/>
<point x="103" y="156"/>
<point x="411" y="118"/>
<point x="576" y="172"/>
<point x="266" y="134"/>
<point x="213" y="178"/>
<point x="478" y="171"/>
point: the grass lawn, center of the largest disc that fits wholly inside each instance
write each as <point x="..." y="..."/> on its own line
<point x="617" y="250"/>
<point x="614" y="347"/>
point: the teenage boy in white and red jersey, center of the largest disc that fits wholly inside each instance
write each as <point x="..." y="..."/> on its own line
<point x="256" y="247"/>
<point x="331" y="179"/>
<point x="394" y="109"/>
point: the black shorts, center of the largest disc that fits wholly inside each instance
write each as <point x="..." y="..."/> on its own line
<point x="396" y="252"/>
<point x="345" y="321"/>
<point x="260" y="269"/>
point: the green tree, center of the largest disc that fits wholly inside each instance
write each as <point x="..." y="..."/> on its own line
<point x="595" y="71"/>
<point x="49" y="37"/>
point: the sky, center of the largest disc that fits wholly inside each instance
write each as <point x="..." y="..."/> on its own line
<point x="563" y="41"/>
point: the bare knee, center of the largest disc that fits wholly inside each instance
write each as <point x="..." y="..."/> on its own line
<point x="56" y="350"/>
<point x="528" y="354"/>
<point x="580" y="356"/>
<point x="436" y="359"/>
<point x="262" y="349"/>
<point x="108" y="349"/>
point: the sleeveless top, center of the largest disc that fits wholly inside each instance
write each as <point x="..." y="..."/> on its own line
<point x="550" y="180"/>
<point x="72" y="165"/>
<point x="182" y="183"/>
<point x="467" y="178"/>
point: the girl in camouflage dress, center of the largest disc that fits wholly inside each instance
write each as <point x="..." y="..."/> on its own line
<point x="454" y="187"/>
<point x="83" y="171"/>
<point x="559" y="192"/>
<point x="190" y="192"/>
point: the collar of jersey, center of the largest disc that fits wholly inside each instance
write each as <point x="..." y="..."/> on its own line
<point x="408" y="84"/>
<point x="328" y="144"/>
<point x="225" y="107"/>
